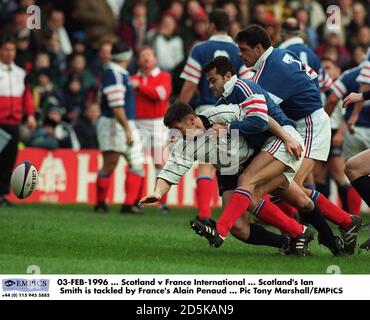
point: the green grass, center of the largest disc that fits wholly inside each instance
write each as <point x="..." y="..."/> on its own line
<point x="74" y="240"/>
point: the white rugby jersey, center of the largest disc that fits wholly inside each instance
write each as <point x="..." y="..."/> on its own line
<point x="225" y="153"/>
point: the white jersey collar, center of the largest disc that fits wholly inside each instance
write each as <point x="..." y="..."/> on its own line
<point x="262" y="58"/>
<point x="229" y="86"/>
<point x="221" y="37"/>
<point x="290" y="42"/>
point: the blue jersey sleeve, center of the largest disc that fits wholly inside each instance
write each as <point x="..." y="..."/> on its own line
<point x="193" y="68"/>
<point x="114" y="89"/>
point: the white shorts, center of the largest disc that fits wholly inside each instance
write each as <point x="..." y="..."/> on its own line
<point x="357" y="142"/>
<point x="276" y="148"/>
<point x="112" y="137"/>
<point x="315" y="131"/>
<point x="153" y="132"/>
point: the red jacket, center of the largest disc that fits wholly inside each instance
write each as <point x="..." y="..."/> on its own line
<point x="153" y="94"/>
<point x="15" y="96"/>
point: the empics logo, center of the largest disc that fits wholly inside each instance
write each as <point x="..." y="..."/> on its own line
<point x="25" y="285"/>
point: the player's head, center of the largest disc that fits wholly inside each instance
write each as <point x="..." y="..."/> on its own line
<point x="218" y="71"/>
<point x="330" y="67"/>
<point x="290" y="28"/>
<point x="7" y="49"/>
<point x="147" y="60"/>
<point x="253" y="41"/>
<point x="121" y="53"/>
<point x="219" y="21"/>
<point x="182" y="117"/>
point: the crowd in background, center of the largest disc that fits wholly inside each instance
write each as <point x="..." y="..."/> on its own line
<point x="65" y="59"/>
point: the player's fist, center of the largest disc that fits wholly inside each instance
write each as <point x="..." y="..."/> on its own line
<point x="129" y="138"/>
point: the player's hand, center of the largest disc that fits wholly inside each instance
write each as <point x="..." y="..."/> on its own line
<point x="151" y="198"/>
<point x="129" y="138"/>
<point x="351" y="123"/>
<point x="293" y="147"/>
<point x="220" y="129"/>
<point x="135" y="83"/>
<point x="352" y="98"/>
<point x="31" y="123"/>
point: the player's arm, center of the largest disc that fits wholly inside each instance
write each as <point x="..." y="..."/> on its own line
<point x="191" y="74"/>
<point x="175" y="167"/>
<point x="357" y="109"/>
<point x="162" y="187"/>
<point x="120" y="115"/>
<point x="331" y="103"/>
<point x="188" y="90"/>
<point x="292" y="146"/>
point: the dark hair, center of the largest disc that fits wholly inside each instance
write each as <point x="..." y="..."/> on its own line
<point x="290" y="27"/>
<point x="222" y="65"/>
<point x="325" y="58"/>
<point x="253" y="35"/>
<point x="220" y="19"/>
<point x="176" y="113"/>
<point x="7" y="39"/>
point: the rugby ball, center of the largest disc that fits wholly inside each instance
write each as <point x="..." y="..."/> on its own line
<point x="24" y="179"/>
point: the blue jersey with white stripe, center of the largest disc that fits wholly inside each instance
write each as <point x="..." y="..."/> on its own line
<point x="256" y="105"/>
<point x="205" y="52"/>
<point x="290" y="83"/>
<point x="305" y="53"/>
<point x="346" y="84"/>
<point x="117" y="92"/>
<point x="364" y="76"/>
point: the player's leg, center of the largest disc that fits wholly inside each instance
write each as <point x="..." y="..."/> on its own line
<point x="110" y="160"/>
<point x="134" y="155"/>
<point x="320" y="173"/>
<point x="262" y="169"/>
<point x="357" y="170"/>
<point x="204" y="190"/>
<point x="295" y="196"/>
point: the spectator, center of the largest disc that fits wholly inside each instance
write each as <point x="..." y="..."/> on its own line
<point x="56" y="24"/>
<point x="64" y="132"/>
<point x="363" y="37"/>
<point x="333" y="40"/>
<point x="85" y="127"/>
<point x="303" y="17"/>
<point x="358" y="21"/>
<point x="168" y="47"/>
<point x="78" y="69"/>
<point x="7" y="8"/>
<point x="16" y="101"/>
<point x="232" y="9"/>
<point x="74" y="97"/>
<point x="154" y="7"/>
<point x="24" y="56"/>
<point x="133" y="31"/>
<point x="44" y="137"/>
<point x="97" y="20"/>
<point x="58" y="59"/>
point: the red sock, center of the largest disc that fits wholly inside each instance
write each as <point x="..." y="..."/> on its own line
<point x="132" y="187"/>
<point x="330" y="211"/>
<point x="354" y="201"/>
<point x="102" y="186"/>
<point x="237" y="205"/>
<point x="163" y="199"/>
<point x="204" y="197"/>
<point x="287" y="209"/>
<point x="270" y="213"/>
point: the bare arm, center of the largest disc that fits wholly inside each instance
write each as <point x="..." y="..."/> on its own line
<point x="357" y="110"/>
<point x="331" y="103"/>
<point x="120" y="115"/>
<point x="187" y="92"/>
<point x="161" y="188"/>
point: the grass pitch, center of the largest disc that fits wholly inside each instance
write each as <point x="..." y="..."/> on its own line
<point x="74" y="240"/>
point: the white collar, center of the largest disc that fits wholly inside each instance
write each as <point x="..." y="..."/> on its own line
<point x="5" y="67"/>
<point x="221" y="37"/>
<point x="290" y="42"/>
<point x="117" y="67"/>
<point x="262" y="58"/>
<point x="155" y="72"/>
<point x="229" y="86"/>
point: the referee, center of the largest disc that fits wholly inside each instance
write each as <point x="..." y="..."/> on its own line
<point x="15" y="102"/>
